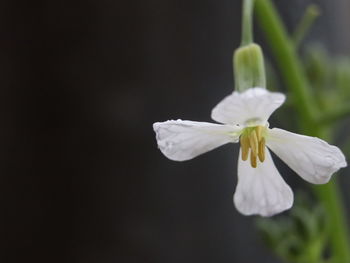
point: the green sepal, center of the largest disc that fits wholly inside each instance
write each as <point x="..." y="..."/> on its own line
<point x="249" y="67"/>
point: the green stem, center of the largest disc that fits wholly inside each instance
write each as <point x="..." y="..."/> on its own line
<point x="247" y="22"/>
<point x="311" y="13"/>
<point x="329" y="195"/>
<point x="290" y="67"/>
<point x="296" y="82"/>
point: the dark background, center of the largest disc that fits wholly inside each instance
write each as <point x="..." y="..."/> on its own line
<point x="81" y="83"/>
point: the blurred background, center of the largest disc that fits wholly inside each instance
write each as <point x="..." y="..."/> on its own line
<point x="81" y="83"/>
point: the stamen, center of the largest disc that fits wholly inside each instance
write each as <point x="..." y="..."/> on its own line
<point x="254" y="143"/>
<point x="261" y="153"/>
<point x="253" y="161"/>
<point x="253" y="138"/>
<point x="259" y="132"/>
<point x="245" y="147"/>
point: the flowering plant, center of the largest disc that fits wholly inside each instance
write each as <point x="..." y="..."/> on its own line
<point x="243" y="117"/>
<point x="260" y="189"/>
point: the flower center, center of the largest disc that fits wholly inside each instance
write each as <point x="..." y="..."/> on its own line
<point x="253" y="139"/>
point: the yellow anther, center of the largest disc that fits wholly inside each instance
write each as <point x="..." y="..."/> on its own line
<point x="253" y="138"/>
<point x="261" y="153"/>
<point x="245" y="147"/>
<point x="253" y="161"/>
<point x="259" y="130"/>
<point x="254" y="143"/>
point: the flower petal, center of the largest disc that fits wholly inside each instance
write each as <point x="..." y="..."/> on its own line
<point x="261" y="190"/>
<point x="310" y="157"/>
<point x="249" y="108"/>
<point x="183" y="140"/>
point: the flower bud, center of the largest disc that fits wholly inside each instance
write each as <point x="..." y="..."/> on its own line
<point x="249" y="68"/>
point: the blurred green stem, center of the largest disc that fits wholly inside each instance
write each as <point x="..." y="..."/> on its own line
<point x="296" y="82"/>
<point x="247" y="22"/>
<point x="330" y="195"/>
<point x="311" y="13"/>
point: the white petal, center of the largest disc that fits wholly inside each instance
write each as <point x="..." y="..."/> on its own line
<point x="310" y="157"/>
<point x="261" y="190"/>
<point x="249" y="108"/>
<point x="183" y="140"/>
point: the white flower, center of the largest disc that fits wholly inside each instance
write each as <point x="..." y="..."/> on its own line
<point x="260" y="189"/>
